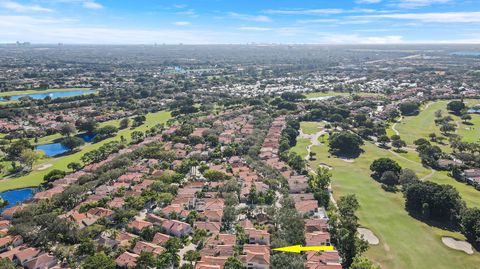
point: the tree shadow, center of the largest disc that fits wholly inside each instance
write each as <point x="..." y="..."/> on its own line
<point x="353" y="154"/>
<point x="445" y="225"/>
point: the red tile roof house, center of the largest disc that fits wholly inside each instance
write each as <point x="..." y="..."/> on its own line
<point x="5" y="224"/>
<point x="323" y="260"/>
<point x="8" y="213"/>
<point x="100" y="212"/>
<point x="213" y="227"/>
<point x="260" y="237"/>
<point x="213" y="215"/>
<point x="139" y="225"/>
<point x="130" y="177"/>
<point x="217" y="250"/>
<point x="160" y="238"/>
<point x="126" y="260"/>
<point x="256" y="257"/>
<point x="117" y="202"/>
<point x="317" y="239"/>
<point x="124" y="239"/>
<point x="176" y="228"/>
<point x="24" y="255"/>
<point x="43" y="261"/>
<point x="209" y="262"/>
<point x="219" y="245"/>
<point x="221" y="239"/>
<point x="306" y="207"/>
<point x="316" y="225"/>
<point x="298" y="184"/>
<point x="211" y="204"/>
<point x="9" y="242"/>
<point x="174" y="208"/>
<point x="142" y="246"/>
<point x="81" y="219"/>
<point x="5" y="243"/>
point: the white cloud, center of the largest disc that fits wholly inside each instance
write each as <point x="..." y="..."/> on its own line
<point x="252" y="28"/>
<point x="182" y="23"/>
<point x="419" y="3"/>
<point x="441" y="17"/>
<point x="317" y="21"/>
<point x="246" y="17"/>
<point x="54" y="30"/>
<point x="304" y="11"/>
<point x="23" y="7"/>
<point x="179" y="6"/>
<point x="92" y="5"/>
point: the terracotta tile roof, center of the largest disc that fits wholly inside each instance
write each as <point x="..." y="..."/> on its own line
<point x="139" y="224"/>
<point x="314" y="225"/>
<point x="221" y="239"/>
<point x="126" y="259"/>
<point x="44" y="260"/>
<point x="209" y="262"/>
<point x="26" y="254"/>
<point x="317" y="238"/>
<point x="213" y="227"/>
<point x="306" y="206"/>
<point x="160" y="238"/>
<point x="100" y="212"/>
<point x="147" y="247"/>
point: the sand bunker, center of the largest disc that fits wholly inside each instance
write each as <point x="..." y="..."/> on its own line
<point x="347" y="160"/>
<point x="368" y="235"/>
<point x="44" y="166"/>
<point x="457" y="244"/>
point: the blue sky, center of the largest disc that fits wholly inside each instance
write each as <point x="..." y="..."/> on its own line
<point x="240" y="21"/>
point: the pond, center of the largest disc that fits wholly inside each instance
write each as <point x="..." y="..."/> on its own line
<point x="55" y="149"/>
<point x="52" y="149"/>
<point x="87" y="137"/>
<point x="53" y="95"/>
<point x="17" y="196"/>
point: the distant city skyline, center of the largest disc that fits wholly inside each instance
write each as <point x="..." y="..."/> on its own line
<point x="240" y="22"/>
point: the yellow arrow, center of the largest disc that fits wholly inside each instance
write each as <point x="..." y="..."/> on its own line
<point x="299" y="248"/>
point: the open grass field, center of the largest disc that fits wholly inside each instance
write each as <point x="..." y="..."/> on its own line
<point x="39" y="91"/>
<point x="421" y="125"/>
<point x="310" y="127"/>
<point x="36" y="176"/>
<point x="404" y="241"/>
<point x="301" y="147"/>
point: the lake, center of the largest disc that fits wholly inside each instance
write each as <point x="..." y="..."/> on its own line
<point x="17" y="196"/>
<point x="53" y="95"/>
<point x="87" y="137"/>
<point x="52" y="149"/>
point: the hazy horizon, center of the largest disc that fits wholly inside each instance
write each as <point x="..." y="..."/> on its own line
<point x="227" y="22"/>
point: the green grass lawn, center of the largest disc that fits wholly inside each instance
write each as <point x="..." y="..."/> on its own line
<point x="421" y="125"/>
<point x="470" y="133"/>
<point x="39" y="91"/>
<point x="404" y="241"/>
<point x="301" y="147"/>
<point x="310" y="127"/>
<point x="36" y="176"/>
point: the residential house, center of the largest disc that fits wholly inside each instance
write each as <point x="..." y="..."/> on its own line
<point x="127" y="260"/>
